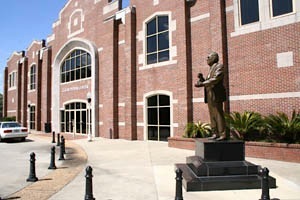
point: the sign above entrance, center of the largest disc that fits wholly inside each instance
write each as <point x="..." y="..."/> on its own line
<point x="77" y="88"/>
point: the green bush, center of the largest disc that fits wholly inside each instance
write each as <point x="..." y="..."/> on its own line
<point x="282" y="128"/>
<point x="245" y="126"/>
<point x="197" y="130"/>
<point x="7" y="119"/>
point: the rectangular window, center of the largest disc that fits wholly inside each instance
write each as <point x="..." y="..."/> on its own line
<point x="12" y="77"/>
<point x="32" y="77"/>
<point x="157" y="40"/>
<point x="32" y="117"/>
<point x="281" y="7"/>
<point x="249" y="11"/>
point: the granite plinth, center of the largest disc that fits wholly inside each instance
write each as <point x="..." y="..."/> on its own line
<point x="220" y="166"/>
<point x="211" y="150"/>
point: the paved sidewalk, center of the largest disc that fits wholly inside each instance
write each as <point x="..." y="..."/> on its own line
<point x="54" y="180"/>
<point x="144" y="170"/>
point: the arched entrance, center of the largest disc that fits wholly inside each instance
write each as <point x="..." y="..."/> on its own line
<point x="64" y="76"/>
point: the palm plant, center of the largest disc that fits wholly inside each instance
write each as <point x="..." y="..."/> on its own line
<point x="244" y="126"/>
<point x="286" y="129"/>
<point x="197" y="130"/>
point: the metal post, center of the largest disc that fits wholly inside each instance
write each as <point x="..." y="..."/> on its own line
<point x="178" y="185"/>
<point x="53" y="137"/>
<point x="32" y="177"/>
<point x="265" y="184"/>
<point x="58" y="139"/>
<point x="61" y="153"/>
<point x="63" y="144"/>
<point x="52" y="159"/>
<point x="89" y="184"/>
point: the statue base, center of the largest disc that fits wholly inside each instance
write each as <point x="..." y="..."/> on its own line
<point x="220" y="165"/>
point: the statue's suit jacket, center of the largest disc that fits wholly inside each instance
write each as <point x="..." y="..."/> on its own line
<point x="214" y="88"/>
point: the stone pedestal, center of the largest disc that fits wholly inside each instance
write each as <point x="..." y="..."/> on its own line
<point x="220" y="166"/>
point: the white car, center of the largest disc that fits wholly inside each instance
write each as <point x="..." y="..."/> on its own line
<point x="12" y="130"/>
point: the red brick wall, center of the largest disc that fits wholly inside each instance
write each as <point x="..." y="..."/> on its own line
<point x="123" y="82"/>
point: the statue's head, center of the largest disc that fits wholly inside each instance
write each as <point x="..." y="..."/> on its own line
<point x="212" y="58"/>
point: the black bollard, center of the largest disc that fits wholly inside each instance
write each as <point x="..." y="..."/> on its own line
<point x="178" y="185"/>
<point x="58" y="140"/>
<point x="89" y="184"/>
<point x="32" y="177"/>
<point x="61" y="153"/>
<point x="52" y="159"/>
<point x="265" y="184"/>
<point x="53" y="137"/>
<point x="63" y="144"/>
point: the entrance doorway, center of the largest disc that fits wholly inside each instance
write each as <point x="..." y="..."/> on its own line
<point x="158" y="117"/>
<point x="74" y="118"/>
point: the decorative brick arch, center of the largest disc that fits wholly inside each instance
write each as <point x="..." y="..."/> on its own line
<point x="75" y="43"/>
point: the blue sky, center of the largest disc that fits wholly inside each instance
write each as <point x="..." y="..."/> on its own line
<point x="24" y="21"/>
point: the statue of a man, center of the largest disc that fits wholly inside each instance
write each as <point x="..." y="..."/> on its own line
<point x="214" y="95"/>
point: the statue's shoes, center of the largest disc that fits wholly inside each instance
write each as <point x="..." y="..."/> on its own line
<point x="222" y="138"/>
<point x="213" y="137"/>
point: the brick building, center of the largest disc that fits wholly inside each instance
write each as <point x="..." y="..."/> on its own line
<point x="130" y="73"/>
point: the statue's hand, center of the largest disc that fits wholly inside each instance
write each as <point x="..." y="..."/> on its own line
<point x="199" y="84"/>
<point x="201" y="78"/>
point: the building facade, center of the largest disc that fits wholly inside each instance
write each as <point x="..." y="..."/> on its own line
<point x="129" y="72"/>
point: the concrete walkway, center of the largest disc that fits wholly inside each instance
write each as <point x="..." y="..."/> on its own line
<point x="144" y="170"/>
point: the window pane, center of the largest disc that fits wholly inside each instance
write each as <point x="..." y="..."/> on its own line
<point x="83" y="60"/>
<point x="163" y="23"/>
<point x="88" y="59"/>
<point x="163" y="41"/>
<point x="77" y="64"/>
<point x="72" y="75"/>
<point x="152" y="116"/>
<point x="151" y="27"/>
<point x="281" y="7"/>
<point x="152" y="101"/>
<point x="63" y="77"/>
<point x="68" y="65"/>
<point x="152" y="133"/>
<point x="88" y="71"/>
<point x="164" y="100"/>
<point x="249" y="11"/>
<point x="73" y="54"/>
<point x="83" y="74"/>
<point x="72" y="63"/>
<point x="163" y="56"/>
<point x="152" y="58"/>
<point x="164" y="133"/>
<point x="67" y="76"/>
<point x="164" y="116"/>
<point x="77" y="74"/>
<point x="151" y="44"/>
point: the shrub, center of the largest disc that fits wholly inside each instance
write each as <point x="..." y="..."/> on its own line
<point x="245" y="126"/>
<point x="197" y="130"/>
<point x="6" y="119"/>
<point x="282" y="128"/>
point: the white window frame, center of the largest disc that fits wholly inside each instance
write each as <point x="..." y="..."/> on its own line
<point x="32" y="85"/>
<point x="12" y="80"/>
<point x="142" y="59"/>
<point x="283" y="15"/>
<point x="266" y="20"/>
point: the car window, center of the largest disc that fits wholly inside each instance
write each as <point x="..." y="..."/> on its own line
<point x="11" y="125"/>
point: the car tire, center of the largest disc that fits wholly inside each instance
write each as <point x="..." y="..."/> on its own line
<point x="23" y="139"/>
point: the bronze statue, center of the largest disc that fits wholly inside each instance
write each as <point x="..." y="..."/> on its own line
<point x="214" y="95"/>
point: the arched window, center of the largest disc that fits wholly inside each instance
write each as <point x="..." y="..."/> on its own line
<point x="76" y="66"/>
<point x="158" y="117"/>
<point x="157" y="39"/>
<point x="32" y="83"/>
